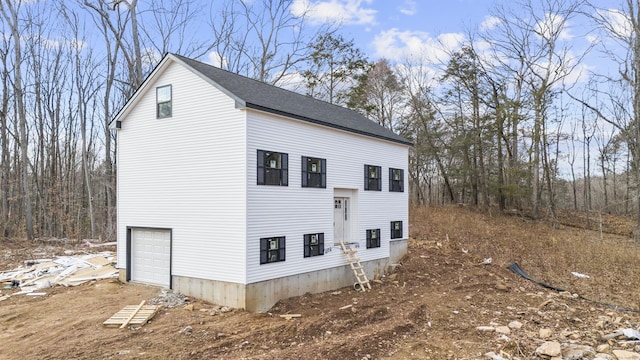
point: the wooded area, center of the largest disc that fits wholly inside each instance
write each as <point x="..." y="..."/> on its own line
<point x="509" y="117"/>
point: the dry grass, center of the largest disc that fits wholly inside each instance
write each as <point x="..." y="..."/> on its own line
<point x="546" y="254"/>
<point x="428" y="308"/>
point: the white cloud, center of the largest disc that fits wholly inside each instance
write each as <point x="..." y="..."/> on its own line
<point x="214" y="58"/>
<point x="293" y="81"/>
<point x="551" y="25"/>
<point x="51" y="44"/>
<point x="489" y="23"/>
<point x="569" y="68"/>
<point x="397" y="45"/>
<point x="408" y="7"/>
<point x="618" y="21"/>
<point x="350" y="12"/>
<point x="592" y="39"/>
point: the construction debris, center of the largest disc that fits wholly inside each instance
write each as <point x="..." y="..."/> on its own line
<point x="290" y="316"/>
<point x="38" y="274"/>
<point x="137" y="315"/>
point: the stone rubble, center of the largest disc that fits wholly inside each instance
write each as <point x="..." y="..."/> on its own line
<point x="610" y="338"/>
<point x="169" y="299"/>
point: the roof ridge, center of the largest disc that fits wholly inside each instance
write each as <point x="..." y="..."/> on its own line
<point x="267" y="84"/>
<point x="253" y="93"/>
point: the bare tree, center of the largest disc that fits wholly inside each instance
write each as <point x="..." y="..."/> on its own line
<point x="9" y="10"/>
<point x="379" y="95"/>
<point x="620" y="29"/>
<point x="262" y="39"/>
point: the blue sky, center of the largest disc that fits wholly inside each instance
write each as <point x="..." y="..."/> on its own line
<point x="379" y="27"/>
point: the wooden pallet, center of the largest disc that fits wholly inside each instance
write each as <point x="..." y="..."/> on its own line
<point x="356" y="266"/>
<point x="132" y="315"/>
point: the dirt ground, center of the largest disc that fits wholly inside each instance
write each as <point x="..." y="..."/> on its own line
<point x="430" y="307"/>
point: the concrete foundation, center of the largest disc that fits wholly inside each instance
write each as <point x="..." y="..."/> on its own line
<point x="397" y="250"/>
<point x="261" y="296"/>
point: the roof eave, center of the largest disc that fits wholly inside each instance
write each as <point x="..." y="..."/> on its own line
<point x="130" y="104"/>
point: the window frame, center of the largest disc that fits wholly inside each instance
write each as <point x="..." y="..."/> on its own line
<point x="372" y="183"/>
<point x="266" y="251"/>
<point x="263" y="176"/>
<point x="307" y="176"/>
<point x="396" y="233"/>
<point x="160" y="103"/>
<point x="371" y="241"/>
<point x="309" y="250"/>
<point x="396" y="185"/>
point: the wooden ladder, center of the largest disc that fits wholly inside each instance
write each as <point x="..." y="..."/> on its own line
<point x="357" y="268"/>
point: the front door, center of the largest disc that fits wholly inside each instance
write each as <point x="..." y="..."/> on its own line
<point x="341" y="220"/>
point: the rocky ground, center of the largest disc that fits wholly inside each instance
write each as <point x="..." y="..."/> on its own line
<point x="452" y="297"/>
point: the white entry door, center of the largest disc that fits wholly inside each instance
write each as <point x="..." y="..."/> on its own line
<point x="341" y="220"/>
<point x="151" y="256"/>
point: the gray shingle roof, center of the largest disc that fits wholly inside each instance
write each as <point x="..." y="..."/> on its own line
<point x="258" y="95"/>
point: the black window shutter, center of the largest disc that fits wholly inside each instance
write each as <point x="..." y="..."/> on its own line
<point x="368" y="239"/>
<point x="282" y="248"/>
<point x="321" y="244"/>
<point x="305" y="176"/>
<point x="307" y="245"/>
<point x="323" y="176"/>
<point x="379" y="181"/>
<point x="263" y="251"/>
<point x="260" y="167"/>
<point x="390" y="179"/>
<point x="366" y="177"/>
<point x="285" y="170"/>
<point x="401" y="180"/>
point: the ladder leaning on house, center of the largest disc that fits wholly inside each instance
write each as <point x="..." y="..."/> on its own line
<point x="356" y="266"/>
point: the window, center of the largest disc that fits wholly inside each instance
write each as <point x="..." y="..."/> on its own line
<point x="373" y="238"/>
<point x="163" y="101"/>
<point x="273" y="168"/>
<point x="372" y="178"/>
<point x="396" y="180"/>
<point x="313" y="244"/>
<point x="314" y="173"/>
<point x="272" y="249"/>
<point x="396" y="229"/>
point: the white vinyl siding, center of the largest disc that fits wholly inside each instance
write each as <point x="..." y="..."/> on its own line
<point x="185" y="173"/>
<point x="294" y="211"/>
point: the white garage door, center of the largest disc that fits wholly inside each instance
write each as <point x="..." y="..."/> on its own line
<point x="151" y="256"/>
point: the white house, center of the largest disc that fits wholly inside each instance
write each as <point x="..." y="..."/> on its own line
<point x="239" y="193"/>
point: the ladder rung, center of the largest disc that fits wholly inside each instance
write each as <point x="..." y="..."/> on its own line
<point x="356" y="267"/>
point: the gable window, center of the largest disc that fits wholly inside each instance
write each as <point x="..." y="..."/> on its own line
<point x="314" y="172"/>
<point x="373" y="238"/>
<point x="273" y="168"/>
<point x="396" y="180"/>
<point x="163" y="101"/>
<point x="272" y="249"/>
<point x="372" y="178"/>
<point x="313" y="244"/>
<point x="396" y="229"/>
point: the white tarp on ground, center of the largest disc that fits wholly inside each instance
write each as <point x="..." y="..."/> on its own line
<point x="39" y="274"/>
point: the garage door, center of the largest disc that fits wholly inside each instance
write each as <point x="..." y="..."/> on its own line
<point x="151" y="256"/>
